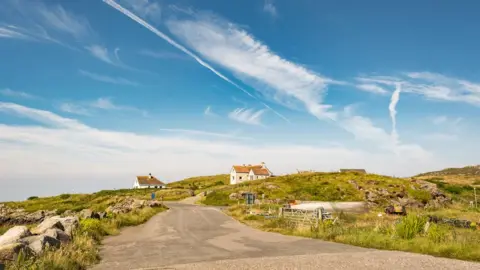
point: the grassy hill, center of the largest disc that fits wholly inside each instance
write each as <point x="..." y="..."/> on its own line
<point x="98" y="201"/>
<point x="469" y="175"/>
<point x="311" y="187"/>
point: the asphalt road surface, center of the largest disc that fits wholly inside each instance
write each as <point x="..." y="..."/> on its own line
<point x="197" y="237"/>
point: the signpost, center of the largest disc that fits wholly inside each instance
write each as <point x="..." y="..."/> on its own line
<point x="153" y="196"/>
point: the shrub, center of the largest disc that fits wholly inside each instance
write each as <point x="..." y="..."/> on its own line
<point x="64" y="196"/>
<point x="410" y="225"/>
<point x="92" y="228"/>
<point x="420" y="195"/>
<point x="32" y="198"/>
<point x="217" y="199"/>
<point x="458" y="189"/>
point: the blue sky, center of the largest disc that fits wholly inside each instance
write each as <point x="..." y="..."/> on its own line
<point x="93" y="93"/>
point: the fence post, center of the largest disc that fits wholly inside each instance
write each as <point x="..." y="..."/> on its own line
<point x="475" y="192"/>
<point x="280" y="212"/>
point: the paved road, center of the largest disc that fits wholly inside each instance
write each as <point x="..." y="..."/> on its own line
<point x="196" y="237"/>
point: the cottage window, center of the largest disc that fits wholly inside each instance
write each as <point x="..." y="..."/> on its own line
<point x="240" y="178"/>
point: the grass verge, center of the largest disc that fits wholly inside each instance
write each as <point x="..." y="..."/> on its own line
<point x="385" y="232"/>
<point x="82" y="252"/>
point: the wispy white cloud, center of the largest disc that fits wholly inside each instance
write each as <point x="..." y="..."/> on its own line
<point x="142" y="22"/>
<point x="439" y="120"/>
<point x="247" y="116"/>
<point x="94" y="106"/>
<point x="11" y="93"/>
<point x="270" y="8"/>
<point x="254" y="63"/>
<point x="440" y="136"/>
<point x="39" y="21"/>
<point x="205" y="133"/>
<point x="73" y="108"/>
<point x="147" y="9"/>
<point x="372" y="88"/>
<point x="103" y="54"/>
<point x="163" y="54"/>
<point x="209" y="112"/>
<point x="432" y="86"/>
<point x="107" y="79"/>
<point x="59" y="19"/>
<point x="12" y="32"/>
<point x="393" y="111"/>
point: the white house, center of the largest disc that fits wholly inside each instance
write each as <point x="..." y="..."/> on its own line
<point x="242" y="173"/>
<point x="148" y="181"/>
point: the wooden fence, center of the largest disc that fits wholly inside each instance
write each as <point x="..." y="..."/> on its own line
<point x="306" y="217"/>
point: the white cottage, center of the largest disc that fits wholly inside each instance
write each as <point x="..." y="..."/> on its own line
<point x="148" y="181"/>
<point x="242" y="173"/>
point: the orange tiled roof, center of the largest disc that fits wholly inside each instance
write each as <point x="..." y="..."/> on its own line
<point x="145" y="180"/>
<point x="245" y="169"/>
<point x="260" y="171"/>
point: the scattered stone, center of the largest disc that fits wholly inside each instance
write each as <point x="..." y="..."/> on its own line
<point x="154" y="204"/>
<point x="69" y="223"/>
<point x="68" y="213"/>
<point x="102" y="215"/>
<point x="59" y="235"/>
<point x="38" y="243"/>
<point x="271" y="186"/>
<point x="14" y="234"/>
<point x="49" y="223"/>
<point x="234" y="196"/>
<point x="10" y="252"/>
<point x="372" y="182"/>
<point x="86" y="213"/>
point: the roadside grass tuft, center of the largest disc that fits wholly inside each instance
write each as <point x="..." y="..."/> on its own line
<point x="82" y="252"/>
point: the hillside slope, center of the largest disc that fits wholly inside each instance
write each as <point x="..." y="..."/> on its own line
<point x="469" y="175"/>
<point x="376" y="190"/>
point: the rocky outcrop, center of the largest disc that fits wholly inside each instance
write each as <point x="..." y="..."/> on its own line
<point x="38" y="243"/>
<point x="51" y="233"/>
<point x="130" y="204"/>
<point x="10" y="216"/>
<point x="10" y="252"/>
<point x="47" y="224"/>
<point x="396" y="194"/>
<point x="14" y="234"/>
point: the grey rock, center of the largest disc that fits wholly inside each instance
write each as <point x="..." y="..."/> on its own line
<point x="48" y="223"/>
<point x="69" y="223"/>
<point x="86" y="213"/>
<point x="38" y="243"/>
<point x="14" y="234"/>
<point x="102" y="215"/>
<point x="59" y="235"/>
<point x="10" y="252"/>
<point x="154" y="204"/>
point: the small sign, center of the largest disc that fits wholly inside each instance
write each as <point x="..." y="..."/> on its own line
<point x="153" y="195"/>
<point x="250" y="198"/>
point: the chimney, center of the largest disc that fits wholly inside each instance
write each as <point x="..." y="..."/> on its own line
<point x="149" y="176"/>
<point x="243" y="165"/>
<point x="263" y="164"/>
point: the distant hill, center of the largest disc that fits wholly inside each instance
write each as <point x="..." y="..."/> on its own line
<point x="464" y="176"/>
<point x="467" y="171"/>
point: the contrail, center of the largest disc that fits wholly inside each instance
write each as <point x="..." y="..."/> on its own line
<point x="393" y="112"/>
<point x="183" y="49"/>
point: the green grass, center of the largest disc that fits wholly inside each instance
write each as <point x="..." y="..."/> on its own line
<point x="308" y="187"/>
<point x="202" y="182"/>
<point x="385" y="232"/>
<point x="98" y="201"/>
<point x="82" y="252"/>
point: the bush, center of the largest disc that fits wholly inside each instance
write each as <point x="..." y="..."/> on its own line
<point x="92" y="228"/>
<point x="32" y="198"/>
<point x="420" y="195"/>
<point x="458" y="189"/>
<point x="217" y="199"/>
<point x="410" y="225"/>
<point x="64" y="196"/>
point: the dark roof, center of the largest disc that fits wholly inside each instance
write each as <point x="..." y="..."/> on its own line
<point x="149" y="180"/>
<point x="353" y="170"/>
